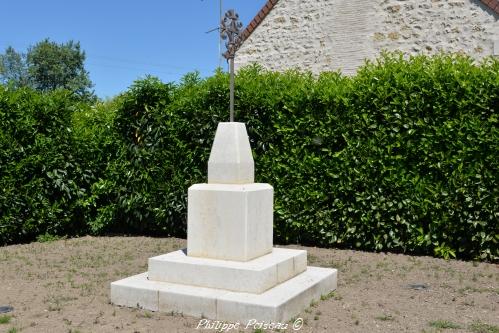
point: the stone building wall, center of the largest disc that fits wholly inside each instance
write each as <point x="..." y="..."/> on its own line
<point x="324" y="35"/>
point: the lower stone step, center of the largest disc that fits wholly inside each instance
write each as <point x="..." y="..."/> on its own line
<point x="276" y="305"/>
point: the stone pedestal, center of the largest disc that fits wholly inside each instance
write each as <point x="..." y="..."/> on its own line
<point x="230" y="270"/>
<point x="230" y="221"/>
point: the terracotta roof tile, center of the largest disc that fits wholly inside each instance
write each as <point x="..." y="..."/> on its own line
<point x="260" y="16"/>
<point x="492" y="4"/>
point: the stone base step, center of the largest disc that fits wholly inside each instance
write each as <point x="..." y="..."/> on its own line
<point x="276" y="305"/>
<point x="254" y="276"/>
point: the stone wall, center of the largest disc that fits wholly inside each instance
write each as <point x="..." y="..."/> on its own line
<point x="324" y="35"/>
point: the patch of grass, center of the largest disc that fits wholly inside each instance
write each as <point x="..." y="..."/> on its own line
<point x="312" y="259"/>
<point x="335" y="264"/>
<point x="55" y="307"/>
<point x="479" y="327"/>
<point x="333" y="294"/>
<point x="13" y="330"/>
<point x="444" y="324"/>
<point x="385" y="317"/>
<point x="327" y="296"/>
<point x="5" y="319"/>
<point x="463" y="291"/>
<point x="47" y="238"/>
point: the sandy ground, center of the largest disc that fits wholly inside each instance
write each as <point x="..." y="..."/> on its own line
<point x="63" y="286"/>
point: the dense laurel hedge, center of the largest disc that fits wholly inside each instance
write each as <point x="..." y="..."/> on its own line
<point x="402" y="157"/>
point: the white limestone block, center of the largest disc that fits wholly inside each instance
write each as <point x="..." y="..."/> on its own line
<point x="231" y="161"/>
<point x="286" y="269"/>
<point x="135" y="292"/>
<point x="178" y="298"/>
<point x="140" y="292"/>
<point x="254" y="276"/>
<point x="278" y="304"/>
<point x="230" y="221"/>
<point x="300" y="262"/>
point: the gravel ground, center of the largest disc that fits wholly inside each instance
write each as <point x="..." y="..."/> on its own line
<point x="63" y="286"/>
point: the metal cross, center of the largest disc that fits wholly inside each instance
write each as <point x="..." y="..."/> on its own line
<point x="230" y="30"/>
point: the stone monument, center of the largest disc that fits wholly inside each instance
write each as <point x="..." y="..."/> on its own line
<point x="230" y="270"/>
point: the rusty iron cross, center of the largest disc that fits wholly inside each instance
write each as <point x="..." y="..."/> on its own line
<point x="230" y="30"/>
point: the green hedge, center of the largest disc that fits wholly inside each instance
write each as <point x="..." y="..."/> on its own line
<point x="39" y="179"/>
<point x="402" y="157"/>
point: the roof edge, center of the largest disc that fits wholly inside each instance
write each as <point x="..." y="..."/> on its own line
<point x="492" y="4"/>
<point x="259" y="17"/>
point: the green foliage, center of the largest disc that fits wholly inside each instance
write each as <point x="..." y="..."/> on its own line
<point x="53" y="66"/>
<point x="13" y="68"/>
<point x="5" y="319"/>
<point x="444" y="324"/>
<point x="95" y="146"/>
<point x="479" y="327"/>
<point x="47" y="66"/>
<point x="401" y="157"/>
<point x="47" y="238"/>
<point x="138" y="192"/>
<point x="38" y="176"/>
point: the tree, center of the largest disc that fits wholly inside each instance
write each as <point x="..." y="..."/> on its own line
<point x="13" y="68"/>
<point x="47" y="66"/>
<point x="52" y="66"/>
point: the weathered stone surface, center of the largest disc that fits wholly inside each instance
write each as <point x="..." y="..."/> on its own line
<point x="231" y="160"/>
<point x="254" y="276"/>
<point x="281" y="303"/>
<point x="339" y="34"/>
<point x="278" y="304"/>
<point x="230" y="222"/>
<point x="230" y="270"/>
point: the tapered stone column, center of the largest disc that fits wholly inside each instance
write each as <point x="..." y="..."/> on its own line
<point x="231" y="161"/>
<point x="230" y="218"/>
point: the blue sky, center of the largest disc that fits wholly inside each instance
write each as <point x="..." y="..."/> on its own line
<point x="125" y="40"/>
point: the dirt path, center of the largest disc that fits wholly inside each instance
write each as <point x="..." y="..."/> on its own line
<point x="63" y="286"/>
